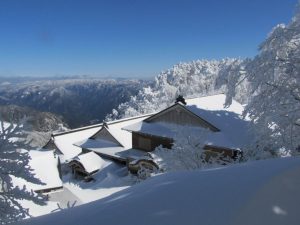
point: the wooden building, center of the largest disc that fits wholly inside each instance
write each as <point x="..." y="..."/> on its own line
<point x="129" y="140"/>
<point x="160" y="129"/>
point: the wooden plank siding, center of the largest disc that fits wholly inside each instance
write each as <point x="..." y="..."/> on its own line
<point x="149" y="142"/>
<point x="178" y="114"/>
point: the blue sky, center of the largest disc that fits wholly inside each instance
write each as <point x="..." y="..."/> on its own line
<point x="129" y="38"/>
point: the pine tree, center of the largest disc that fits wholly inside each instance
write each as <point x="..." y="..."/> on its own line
<point x="14" y="162"/>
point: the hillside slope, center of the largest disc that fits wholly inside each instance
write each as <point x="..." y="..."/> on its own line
<point x="79" y="101"/>
<point x="38" y="125"/>
<point x="261" y="192"/>
<point x="39" y="121"/>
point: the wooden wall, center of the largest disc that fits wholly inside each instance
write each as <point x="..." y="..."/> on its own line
<point x="180" y="116"/>
<point x="148" y="142"/>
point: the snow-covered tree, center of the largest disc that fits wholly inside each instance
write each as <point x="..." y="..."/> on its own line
<point x="193" y="79"/>
<point x="14" y="162"/>
<point x="187" y="152"/>
<point x="273" y="78"/>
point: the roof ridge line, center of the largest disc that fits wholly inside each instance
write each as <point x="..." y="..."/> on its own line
<point x="99" y="125"/>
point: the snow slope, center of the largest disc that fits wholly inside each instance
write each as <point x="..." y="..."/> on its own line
<point x="44" y="168"/>
<point x="261" y="192"/>
<point x="110" y="179"/>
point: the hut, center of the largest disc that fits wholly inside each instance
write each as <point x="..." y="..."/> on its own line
<point x="85" y="165"/>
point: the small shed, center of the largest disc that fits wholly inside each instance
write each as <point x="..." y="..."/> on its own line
<point x="86" y="164"/>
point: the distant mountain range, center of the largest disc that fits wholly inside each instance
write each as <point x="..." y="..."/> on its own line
<point x="76" y="102"/>
<point x="37" y="121"/>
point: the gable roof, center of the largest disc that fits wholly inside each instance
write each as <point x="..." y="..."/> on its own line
<point x="108" y="148"/>
<point x="50" y="145"/>
<point x="64" y="142"/>
<point x="105" y="134"/>
<point x="69" y="142"/>
<point x="205" y="123"/>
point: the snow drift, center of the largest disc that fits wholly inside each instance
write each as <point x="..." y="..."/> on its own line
<point x="261" y="192"/>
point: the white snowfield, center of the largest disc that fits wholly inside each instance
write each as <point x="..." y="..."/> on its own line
<point x="44" y="166"/>
<point x="261" y="192"/>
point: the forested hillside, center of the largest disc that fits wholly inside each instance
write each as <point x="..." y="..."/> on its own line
<point x="192" y="79"/>
<point x="78" y="101"/>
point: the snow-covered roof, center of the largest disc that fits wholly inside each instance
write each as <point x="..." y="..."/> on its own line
<point x="44" y="165"/>
<point x="103" y="147"/>
<point x="233" y="128"/>
<point x="64" y="142"/>
<point x="158" y="129"/>
<point x="109" y="148"/>
<point x="228" y="119"/>
<point x="214" y="103"/>
<point x="123" y="136"/>
<point x="90" y="161"/>
<point x="69" y="142"/>
<point x="212" y="109"/>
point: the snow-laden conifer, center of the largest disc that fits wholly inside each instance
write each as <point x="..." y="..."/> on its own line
<point x="273" y="78"/>
<point x="192" y="79"/>
<point x="14" y="162"/>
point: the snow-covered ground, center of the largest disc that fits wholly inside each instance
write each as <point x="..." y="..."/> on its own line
<point x="260" y="192"/>
<point x="109" y="180"/>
